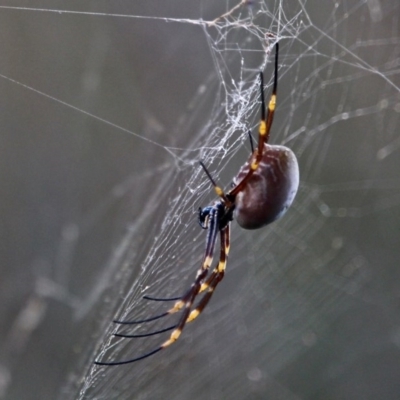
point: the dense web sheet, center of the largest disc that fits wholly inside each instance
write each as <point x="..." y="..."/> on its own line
<point x="108" y="109"/>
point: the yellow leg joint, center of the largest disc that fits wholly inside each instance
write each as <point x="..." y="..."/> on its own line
<point x="219" y="191"/>
<point x="263" y="128"/>
<point x="203" y="287"/>
<point x="178" y="305"/>
<point x="193" y="315"/>
<point x="221" y="267"/>
<point x="175" y="334"/>
<point x="173" y="338"/>
<point x="207" y="262"/>
<point x="272" y="103"/>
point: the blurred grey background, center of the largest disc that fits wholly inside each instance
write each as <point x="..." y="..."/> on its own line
<point x="103" y="120"/>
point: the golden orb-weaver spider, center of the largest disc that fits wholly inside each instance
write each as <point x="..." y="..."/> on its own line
<point x="263" y="190"/>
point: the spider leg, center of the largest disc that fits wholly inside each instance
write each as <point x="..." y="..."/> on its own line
<point x="217" y="189"/>
<point x="141" y="321"/>
<point x="213" y="229"/>
<point x="146" y="334"/>
<point x="264" y="128"/>
<point x="187" y="301"/>
<point x="216" y="211"/>
<point x="224" y="239"/>
<point x="266" y="123"/>
<point x="210" y="284"/>
<point x="215" y="277"/>
<point x="251" y="140"/>
<point x="162" y="299"/>
<point x="203" y="287"/>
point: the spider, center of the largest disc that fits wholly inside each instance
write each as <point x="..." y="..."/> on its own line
<point x="263" y="190"/>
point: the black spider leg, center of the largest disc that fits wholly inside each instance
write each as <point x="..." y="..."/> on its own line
<point x="146" y="334"/>
<point x="150" y="319"/>
<point x="187" y="301"/>
<point x="251" y="140"/>
<point x="162" y="299"/>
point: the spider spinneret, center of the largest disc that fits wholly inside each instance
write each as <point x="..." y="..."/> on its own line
<point x="264" y="189"/>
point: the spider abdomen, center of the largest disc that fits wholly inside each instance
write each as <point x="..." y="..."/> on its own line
<point x="270" y="190"/>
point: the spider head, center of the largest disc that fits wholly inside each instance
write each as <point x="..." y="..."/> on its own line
<point x="203" y="216"/>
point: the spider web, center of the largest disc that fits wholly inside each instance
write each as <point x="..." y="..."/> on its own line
<point x="107" y="109"/>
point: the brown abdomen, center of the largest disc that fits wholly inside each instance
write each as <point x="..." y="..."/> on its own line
<point x="270" y="190"/>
